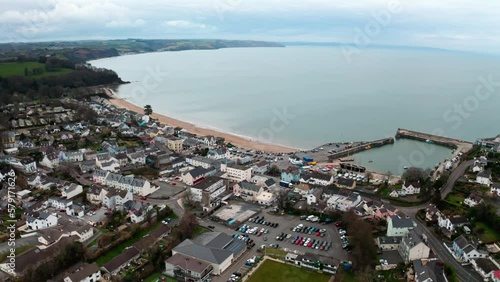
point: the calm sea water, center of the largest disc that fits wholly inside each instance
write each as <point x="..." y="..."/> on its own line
<point x="307" y="96"/>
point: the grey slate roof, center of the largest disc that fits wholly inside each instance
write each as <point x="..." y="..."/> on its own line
<point x="249" y="186"/>
<point x="399" y="222"/>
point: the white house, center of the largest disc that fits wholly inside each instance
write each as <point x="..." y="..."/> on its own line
<point x="194" y="176"/>
<point x="41" y="221"/>
<point x="143" y="187"/>
<point x="59" y="203"/>
<point x="473" y="200"/>
<point x="50" y="160"/>
<point x="218" y="154"/>
<point x="73" y="156"/>
<point x="314" y="196"/>
<point x="265" y="198"/>
<point x="99" y="176"/>
<point x="343" y="203"/>
<point x="247" y="190"/>
<point x="412" y="247"/>
<point x="95" y="194"/>
<point x="398" y="226"/>
<point x="236" y="172"/>
<point x="75" y="210"/>
<point x="488" y="268"/>
<point x="463" y="251"/>
<point x="484" y="178"/>
<point x="316" y="178"/>
<point x="410" y="188"/>
<point x="452" y="223"/>
<point x="115" y="199"/>
<point x="137" y="158"/>
<point x="86" y="273"/>
<point x="71" y="190"/>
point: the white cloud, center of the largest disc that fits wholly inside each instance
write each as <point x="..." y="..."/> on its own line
<point x="183" y="24"/>
<point x="126" y="23"/>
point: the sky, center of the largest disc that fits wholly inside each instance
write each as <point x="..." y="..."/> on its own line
<point x="467" y="25"/>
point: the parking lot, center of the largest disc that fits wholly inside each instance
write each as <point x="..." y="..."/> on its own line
<point x="285" y="224"/>
<point x="237" y="211"/>
<point x="167" y="190"/>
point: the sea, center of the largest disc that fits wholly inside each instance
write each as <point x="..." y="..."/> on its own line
<point x="306" y="96"/>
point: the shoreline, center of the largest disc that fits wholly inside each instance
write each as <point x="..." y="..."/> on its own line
<point x="236" y="140"/>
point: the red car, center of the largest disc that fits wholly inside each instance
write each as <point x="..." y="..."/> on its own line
<point x="173" y="183"/>
<point x="338" y="224"/>
<point x="298" y="242"/>
<point x="310" y="244"/>
<point x="318" y="233"/>
<point x="144" y="198"/>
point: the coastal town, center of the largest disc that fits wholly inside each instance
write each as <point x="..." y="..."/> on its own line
<point x="98" y="189"/>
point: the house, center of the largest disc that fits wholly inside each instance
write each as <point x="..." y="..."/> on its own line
<point x="261" y="167"/>
<point x="216" y="248"/>
<point x="412" y="247"/>
<point x="50" y="160"/>
<point x="203" y="162"/>
<point x="184" y="267"/>
<point x="291" y="174"/>
<point x="71" y="190"/>
<point x="87" y="166"/>
<point x="99" y="176"/>
<point x="317" y="178"/>
<point x="83" y="233"/>
<point x="479" y="164"/>
<point x="8" y="139"/>
<point x="209" y="140"/>
<point x="346" y="183"/>
<point x="265" y="198"/>
<point x="86" y="273"/>
<point x="73" y="156"/>
<point x="452" y="223"/>
<point x="343" y="203"/>
<point x="218" y="154"/>
<point x="50" y="236"/>
<point x="236" y="172"/>
<point x="428" y="271"/>
<point x="314" y="196"/>
<point x="137" y="158"/>
<point x="389" y="243"/>
<point x="473" y="200"/>
<point x="194" y="176"/>
<point x="398" y="226"/>
<point x="247" y="190"/>
<point x="28" y="165"/>
<point x="175" y="144"/>
<point x="208" y="192"/>
<point x="76" y="210"/>
<point x="122" y="159"/>
<point x="486" y="267"/>
<point x="41" y="221"/>
<point x="115" y="199"/>
<point x="495" y="189"/>
<point x="59" y="203"/>
<point x="385" y="211"/>
<point x="432" y="213"/>
<point x="114" y="266"/>
<point x="464" y="251"/>
<point x="410" y="188"/>
<point x="484" y="178"/>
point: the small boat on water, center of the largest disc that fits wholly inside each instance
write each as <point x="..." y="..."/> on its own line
<point x="370" y="161"/>
<point x="428" y="141"/>
<point x="405" y="167"/>
<point x="346" y="160"/>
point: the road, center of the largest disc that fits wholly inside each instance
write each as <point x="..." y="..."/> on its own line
<point x="454" y="176"/>
<point x="436" y="244"/>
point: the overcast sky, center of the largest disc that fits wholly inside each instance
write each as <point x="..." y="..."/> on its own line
<point x="472" y="25"/>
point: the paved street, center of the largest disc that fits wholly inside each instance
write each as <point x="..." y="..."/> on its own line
<point x="32" y="240"/>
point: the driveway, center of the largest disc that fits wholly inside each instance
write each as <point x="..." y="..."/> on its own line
<point x="32" y="240"/>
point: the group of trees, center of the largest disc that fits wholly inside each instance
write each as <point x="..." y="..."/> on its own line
<point x="364" y="252"/>
<point x="485" y="213"/>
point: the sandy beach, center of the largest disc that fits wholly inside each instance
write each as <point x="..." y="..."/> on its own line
<point x="233" y="139"/>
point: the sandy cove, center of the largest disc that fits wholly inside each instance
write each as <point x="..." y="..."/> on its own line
<point x="233" y="139"/>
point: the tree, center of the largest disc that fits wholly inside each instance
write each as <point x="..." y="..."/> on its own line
<point x="187" y="225"/>
<point x="188" y="199"/>
<point x="414" y="174"/>
<point x="273" y="170"/>
<point x="364" y="250"/>
<point x="148" y="110"/>
<point x="281" y="199"/>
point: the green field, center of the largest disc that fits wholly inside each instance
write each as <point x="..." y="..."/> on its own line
<point x="489" y="235"/>
<point x="17" y="68"/>
<point x="273" y="271"/>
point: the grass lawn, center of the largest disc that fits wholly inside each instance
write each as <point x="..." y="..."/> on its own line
<point x="119" y="249"/>
<point x="17" y="68"/>
<point x="489" y="235"/>
<point x="199" y="230"/>
<point x="275" y="252"/>
<point x="156" y="277"/>
<point x="455" y="199"/>
<point x="276" y="271"/>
